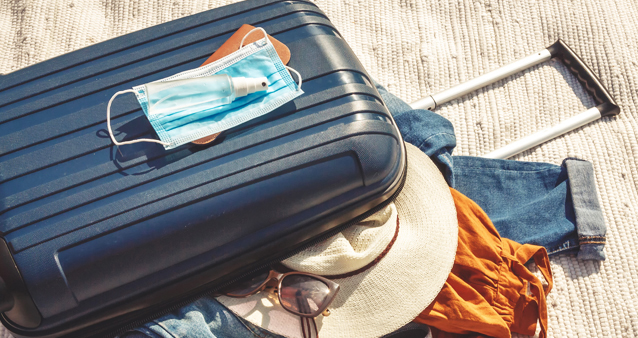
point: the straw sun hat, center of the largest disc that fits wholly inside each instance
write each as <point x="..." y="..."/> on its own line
<point x="415" y="238"/>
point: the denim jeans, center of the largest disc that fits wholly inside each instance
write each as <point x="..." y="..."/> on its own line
<point x="208" y="318"/>
<point x="529" y="202"/>
<point x="204" y="318"/>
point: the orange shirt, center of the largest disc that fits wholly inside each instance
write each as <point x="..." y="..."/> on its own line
<point x="489" y="292"/>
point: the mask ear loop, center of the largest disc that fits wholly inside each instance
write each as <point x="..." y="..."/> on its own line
<point x="298" y="76"/>
<point x="241" y="45"/>
<point x="108" y="123"/>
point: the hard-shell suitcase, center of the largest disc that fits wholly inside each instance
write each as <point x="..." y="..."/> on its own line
<point x="95" y="239"/>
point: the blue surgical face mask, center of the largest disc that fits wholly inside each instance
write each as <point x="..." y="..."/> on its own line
<point x="183" y="125"/>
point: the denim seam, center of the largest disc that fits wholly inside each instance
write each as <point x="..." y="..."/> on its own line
<point x="591" y="237"/>
<point x="592" y="240"/>
<point x="499" y="169"/>
<point x="431" y="136"/>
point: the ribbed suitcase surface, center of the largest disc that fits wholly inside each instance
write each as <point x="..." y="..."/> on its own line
<point x="93" y="232"/>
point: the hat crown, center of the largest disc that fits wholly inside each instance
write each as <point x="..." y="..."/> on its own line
<point x="351" y="249"/>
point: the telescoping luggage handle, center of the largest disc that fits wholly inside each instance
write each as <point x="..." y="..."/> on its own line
<point x="606" y="105"/>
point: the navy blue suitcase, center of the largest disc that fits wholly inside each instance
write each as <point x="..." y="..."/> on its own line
<point x="96" y="240"/>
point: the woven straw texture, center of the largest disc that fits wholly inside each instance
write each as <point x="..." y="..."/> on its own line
<point x="417" y="47"/>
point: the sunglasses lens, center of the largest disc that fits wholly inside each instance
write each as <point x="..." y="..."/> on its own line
<point x="303" y="294"/>
<point x="246" y="285"/>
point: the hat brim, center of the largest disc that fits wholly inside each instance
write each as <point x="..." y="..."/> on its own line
<point x="400" y="286"/>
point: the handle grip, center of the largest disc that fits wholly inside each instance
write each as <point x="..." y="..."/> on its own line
<point x="606" y="103"/>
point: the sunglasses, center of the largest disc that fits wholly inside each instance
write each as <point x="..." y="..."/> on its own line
<point x="300" y="293"/>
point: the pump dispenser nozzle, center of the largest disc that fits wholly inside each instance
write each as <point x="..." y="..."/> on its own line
<point x="245" y="85"/>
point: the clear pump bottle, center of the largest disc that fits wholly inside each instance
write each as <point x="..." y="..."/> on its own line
<point x="205" y="91"/>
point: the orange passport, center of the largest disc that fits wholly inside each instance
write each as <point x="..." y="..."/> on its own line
<point x="232" y="45"/>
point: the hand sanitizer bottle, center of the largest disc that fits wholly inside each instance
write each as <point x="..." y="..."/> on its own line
<point x="206" y="91"/>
